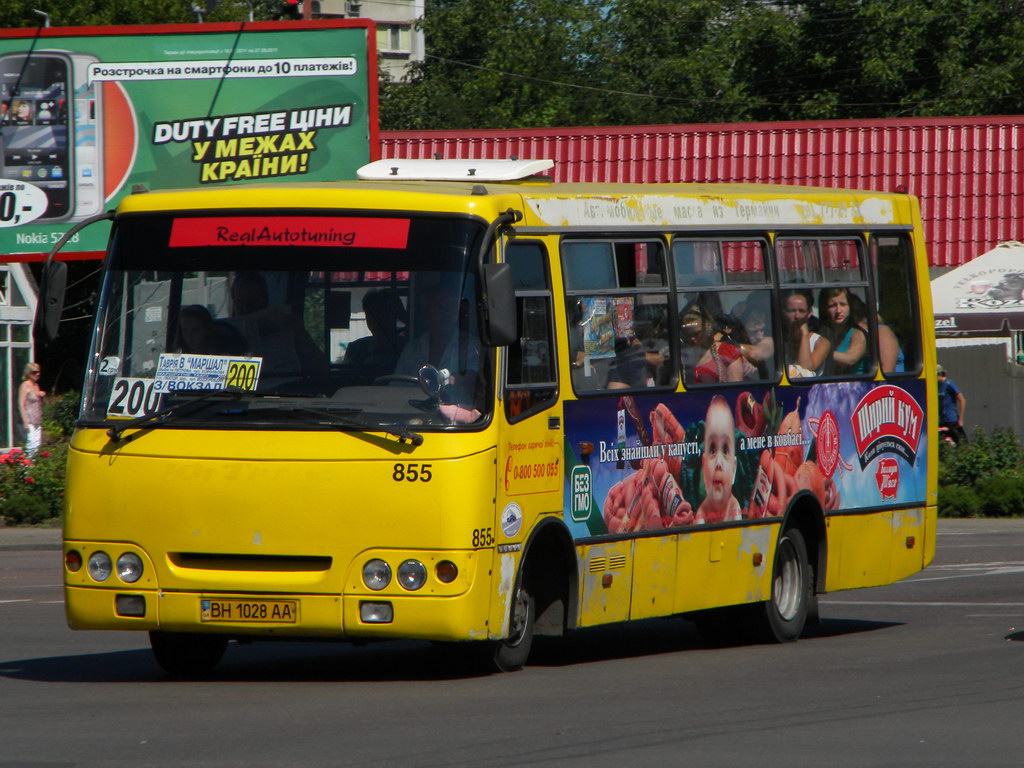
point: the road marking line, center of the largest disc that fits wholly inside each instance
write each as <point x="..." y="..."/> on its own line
<point x="905" y="603"/>
<point x="20" y="600"/>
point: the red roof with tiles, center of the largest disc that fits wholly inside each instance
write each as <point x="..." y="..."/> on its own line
<point x="967" y="172"/>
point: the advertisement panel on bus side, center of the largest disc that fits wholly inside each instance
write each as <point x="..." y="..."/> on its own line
<point x="672" y="460"/>
<point x="90" y="115"/>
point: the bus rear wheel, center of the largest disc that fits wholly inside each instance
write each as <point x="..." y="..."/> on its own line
<point x="510" y="654"/>
<point x="181" y="653"/>
<point x="784" y="615"/>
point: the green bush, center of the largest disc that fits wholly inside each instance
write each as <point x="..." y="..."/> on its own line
<point x="957" y="501"/>
<point x="32" y="489"/>
<point x="965" y="464"/>
<point x="59" y="415"/>
<point x="1001" y="495"/>
<point x="983" y="477"/>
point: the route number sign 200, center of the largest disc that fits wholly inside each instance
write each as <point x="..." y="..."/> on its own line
<point x="131" y="398"/>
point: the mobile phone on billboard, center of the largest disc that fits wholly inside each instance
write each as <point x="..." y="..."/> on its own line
<point x="36" y="133"/>
<point x="88" y="132"/>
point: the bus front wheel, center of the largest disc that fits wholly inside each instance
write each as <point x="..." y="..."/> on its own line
<point x="511" y="653"/>
<point x="785" y="614"/>
<point x="181" y="653"/>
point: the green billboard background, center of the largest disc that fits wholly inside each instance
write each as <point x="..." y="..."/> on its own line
<point x="171" y="107"/>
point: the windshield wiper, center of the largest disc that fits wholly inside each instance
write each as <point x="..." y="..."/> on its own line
<point x="184" y="408"/>
<point x="399" y="431"/>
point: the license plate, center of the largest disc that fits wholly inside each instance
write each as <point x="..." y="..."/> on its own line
<point x="235" y="610"/>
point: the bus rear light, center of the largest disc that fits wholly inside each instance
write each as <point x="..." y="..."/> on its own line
<point x="446" y="571"/>
<point x="100" y="566"/>
<point x="73" y="560"/>
<point x="133" y="606"/>
<point x="412" y="575"/>
<point x="376" y="613"/>
<point x="376" y="574"/>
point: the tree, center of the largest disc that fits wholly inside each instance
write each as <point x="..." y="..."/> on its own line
<point x="620" y="62"/>
<point x="498" y="63"/>
<point x="81" y="13"/>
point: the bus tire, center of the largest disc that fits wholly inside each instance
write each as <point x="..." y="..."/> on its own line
<point x="784" y="615"/>
<point x="510" y="654"/>
<point x="182" y="653"/>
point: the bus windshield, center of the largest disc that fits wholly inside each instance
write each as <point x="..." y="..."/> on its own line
<point x="362" y="321"/>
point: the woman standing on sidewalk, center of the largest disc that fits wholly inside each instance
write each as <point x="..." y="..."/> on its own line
<point x="30" y="403"/>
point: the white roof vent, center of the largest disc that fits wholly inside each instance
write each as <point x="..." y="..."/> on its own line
<point x="453" y="170"/>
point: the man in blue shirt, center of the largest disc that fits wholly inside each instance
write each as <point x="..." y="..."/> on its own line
<point x="952" y="404"/>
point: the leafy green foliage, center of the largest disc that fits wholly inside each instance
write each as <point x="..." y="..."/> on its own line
<point x="552" y="63"/>
<point x="984" y="477"/>
<point x="59" y="415"/>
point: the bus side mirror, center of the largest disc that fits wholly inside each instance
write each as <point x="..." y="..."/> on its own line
<point x="51" y="300"/>
<point x="499" y="305"/>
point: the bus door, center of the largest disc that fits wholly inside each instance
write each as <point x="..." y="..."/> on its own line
<point x="529" y="450"/>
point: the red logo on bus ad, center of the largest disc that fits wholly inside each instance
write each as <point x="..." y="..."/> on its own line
<point x="887" y="420"/>
<point x="887" y="476"/>
<point x="302" y="231"/>
<point x="827" y="442"/>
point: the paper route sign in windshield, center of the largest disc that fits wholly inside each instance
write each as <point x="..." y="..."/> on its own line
<point x="180" y="372"/>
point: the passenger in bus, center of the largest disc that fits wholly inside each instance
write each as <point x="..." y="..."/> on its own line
<point x="806" y="350"/>
<point x="890" y="353"/>
<point x="759" y="347"/>
<point x="629" y="368"/>
<point x="273" y="333"/>
<point x="845" y="318"/>
<point x="706" y="358"/>
<point x="732" y="331"/>
<point x="379" y="351"/>
<point x="718" y="465"/>
<point x="642" y="360"/>
<point x="198" y="333"/>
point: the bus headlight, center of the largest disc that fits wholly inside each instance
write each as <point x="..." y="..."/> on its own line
<point x="412" y="575"/>
<point x="129" y="567"/>
<point x="100" y="566"/>
<point x="376" y="574"/>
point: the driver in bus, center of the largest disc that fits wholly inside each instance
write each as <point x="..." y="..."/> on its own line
<point x="438" y="344"/>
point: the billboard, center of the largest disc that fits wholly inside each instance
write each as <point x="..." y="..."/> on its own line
<point x="89" y="115"/>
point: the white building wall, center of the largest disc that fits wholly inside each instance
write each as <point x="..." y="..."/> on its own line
<point x="399" y="43"/>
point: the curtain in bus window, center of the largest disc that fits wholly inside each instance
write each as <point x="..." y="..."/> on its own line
<point x="798" y="261"/>
<point x="697" y="263"/>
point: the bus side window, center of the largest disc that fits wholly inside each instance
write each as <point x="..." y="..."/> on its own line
<point x="531" y="380"/>
<point x="899" y="348"/>
<point x="827" y="324"/>
<point x="723" y="300"/>
<point x="617" y="308"/>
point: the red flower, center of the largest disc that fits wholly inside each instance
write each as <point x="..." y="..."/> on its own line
<point x="45" y="454"/>
<point x="30" y="479"/>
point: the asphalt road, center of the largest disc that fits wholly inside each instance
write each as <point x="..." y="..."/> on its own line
<point x="927" y="672"/>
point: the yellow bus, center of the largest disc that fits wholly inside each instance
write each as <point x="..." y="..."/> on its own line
<point x="456" y="402"/>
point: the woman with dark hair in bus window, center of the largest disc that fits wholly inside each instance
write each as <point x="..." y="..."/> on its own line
<point x="706" y="357"/>
<point x="846" y="319"/>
